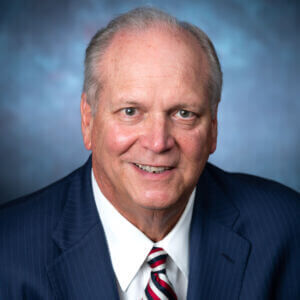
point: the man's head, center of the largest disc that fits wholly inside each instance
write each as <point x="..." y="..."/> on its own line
<point x="140" y="19"/>
<point x="149" y="112"/>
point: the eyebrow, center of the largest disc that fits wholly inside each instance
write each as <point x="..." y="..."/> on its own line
<point x="129" y="102"/>
<point x="185" y="105"/>
<point x="181" y="105"/>
<point x="123" y="102"/>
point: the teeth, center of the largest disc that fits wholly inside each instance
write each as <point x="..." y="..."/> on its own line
<point x="151" y="169"/>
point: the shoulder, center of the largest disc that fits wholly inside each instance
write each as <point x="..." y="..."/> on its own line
<point x="269" y="220"/>
<point x="35" y="214"/>
<point x="27" y="226"/>
<point x="244" y="187"/>
<point x="36" y="202"/>
<point x="263" y="204"/>
<point x="26" y="229"/>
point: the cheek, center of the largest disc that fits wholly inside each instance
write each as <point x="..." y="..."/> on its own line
<point x="195" y="144"/>
<point x="117" y="139"/>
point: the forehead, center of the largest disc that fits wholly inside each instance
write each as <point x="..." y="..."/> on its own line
<point x="157" y="50"/>
<point x="156" y="62"/>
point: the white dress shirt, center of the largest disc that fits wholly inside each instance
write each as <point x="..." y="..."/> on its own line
<point x="129" y="247"/>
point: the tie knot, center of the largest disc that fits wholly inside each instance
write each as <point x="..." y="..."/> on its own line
<point x="157" y="259"/>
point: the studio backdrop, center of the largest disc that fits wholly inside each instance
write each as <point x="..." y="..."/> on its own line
<point x="42" y="45"/>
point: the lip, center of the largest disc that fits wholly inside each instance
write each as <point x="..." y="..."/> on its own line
<point x="155" y="165"/>
<point x="154" y="176"/>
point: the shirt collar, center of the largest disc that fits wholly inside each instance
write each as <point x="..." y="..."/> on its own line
<point x="176" y="242"/>
<point x="129" y="247"/>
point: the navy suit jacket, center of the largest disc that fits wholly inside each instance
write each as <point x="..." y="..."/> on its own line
<point x="244" y="241"/>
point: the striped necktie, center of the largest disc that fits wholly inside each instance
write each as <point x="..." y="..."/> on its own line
<point x="159" y="286"/>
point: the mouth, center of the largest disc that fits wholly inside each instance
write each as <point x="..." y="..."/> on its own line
<point x="152" y="169"/>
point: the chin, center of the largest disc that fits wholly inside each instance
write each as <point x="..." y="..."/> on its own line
<point x="157" y="200"/>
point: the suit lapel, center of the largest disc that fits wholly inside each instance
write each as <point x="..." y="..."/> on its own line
<point x="84" y="269"/>
<point x="218" y="255"/>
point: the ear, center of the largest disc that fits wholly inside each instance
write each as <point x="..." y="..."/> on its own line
<point x="86" y="122"/>
<point x="214" y="131"/>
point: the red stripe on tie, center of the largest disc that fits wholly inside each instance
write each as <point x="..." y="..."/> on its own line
<point x="152" y="293"/>
<point x="158" y="263"/>
<point x="153" y="250"/>
<point x="165" y="285"/>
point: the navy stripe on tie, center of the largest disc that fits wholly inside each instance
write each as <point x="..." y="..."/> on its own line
<point x="148" y="295"/>
<point x="162" y="257"/>
<point x="161" y="288"/>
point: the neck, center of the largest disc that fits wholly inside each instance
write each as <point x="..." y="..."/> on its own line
<point x="153" y="222"/>
<point x="156" y="224"/>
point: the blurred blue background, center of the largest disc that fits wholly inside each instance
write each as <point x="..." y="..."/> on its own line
<point x="42" y="46"/>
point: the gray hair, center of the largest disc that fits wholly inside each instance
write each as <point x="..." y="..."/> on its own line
<point x="140" y="19"/>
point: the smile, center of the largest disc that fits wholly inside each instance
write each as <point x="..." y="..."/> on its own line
<point x="151" y="169"/>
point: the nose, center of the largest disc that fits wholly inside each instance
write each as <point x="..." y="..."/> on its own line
<point x="157" y="135"/>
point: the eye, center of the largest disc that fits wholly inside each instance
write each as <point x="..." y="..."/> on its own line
<point x="184" y="114"/>
<point x="130" y="111"/>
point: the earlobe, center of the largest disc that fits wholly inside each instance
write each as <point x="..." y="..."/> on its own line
<point x="86" y="122"/>
<point x="214" y="134"/>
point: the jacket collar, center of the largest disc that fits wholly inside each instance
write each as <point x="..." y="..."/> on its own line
<point x="80" y="213"/>
<point x="83" y="270"/>
<point x="218" y="255"/>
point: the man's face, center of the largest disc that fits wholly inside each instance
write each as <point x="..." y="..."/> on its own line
<point x="153" y="130"/>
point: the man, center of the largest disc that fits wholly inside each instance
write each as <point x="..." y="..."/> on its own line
<point x="147" y="217"/>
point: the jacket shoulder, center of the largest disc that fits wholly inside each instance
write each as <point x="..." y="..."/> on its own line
<point x="269" y="219"/>
<point x="26" y="203"/>
<point x="37" y="212"/>
<point x="239" y="185"/>
<point x="262" y="203"/>
<point x="26" y="229"/>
